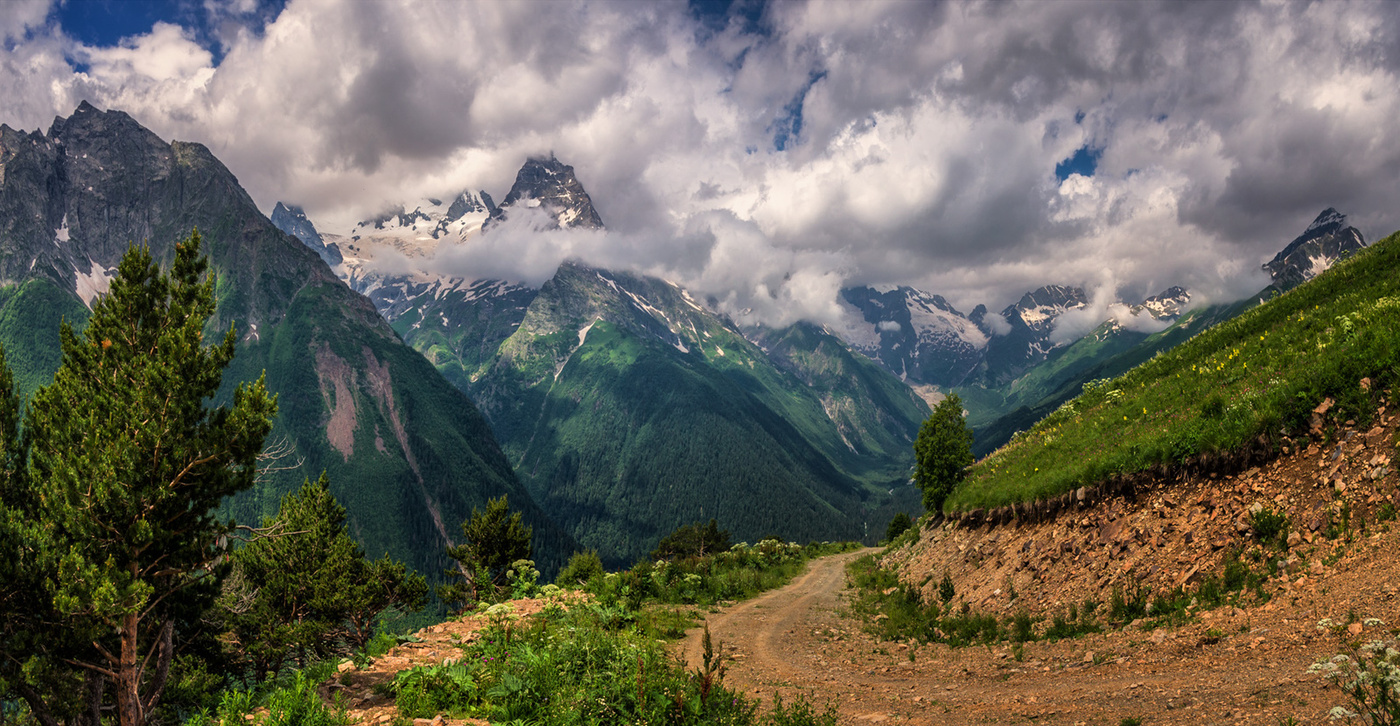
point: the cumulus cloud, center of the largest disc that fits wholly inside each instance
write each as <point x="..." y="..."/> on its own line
<point x="997" y="324"/>
<point x="767" y="164"/>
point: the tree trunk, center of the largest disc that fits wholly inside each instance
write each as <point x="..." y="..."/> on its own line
<point x="163" y="656"/>
<point x="94" y="684"/>
<point x="129" y="711"/>
<point x="37" y="708"/>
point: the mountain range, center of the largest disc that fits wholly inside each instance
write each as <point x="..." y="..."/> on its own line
<point x="627" y="407"/>
<point x="602" y="385"/>
<point x="408" y="454"/>
<point x="613" y="406"/>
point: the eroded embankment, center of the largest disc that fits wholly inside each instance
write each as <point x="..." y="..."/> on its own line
<point x="1170" y="532"/>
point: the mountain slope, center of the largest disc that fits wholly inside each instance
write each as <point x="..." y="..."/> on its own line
<point x="407" y="453"/>
<point x="630" y="409"/>
<point x="1112" y="350"/>
<point x="1257" y="379"/>
<point x="626" y="407"/>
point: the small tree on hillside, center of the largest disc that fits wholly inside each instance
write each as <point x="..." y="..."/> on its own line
<point x="307" y="589"/>
<point x="692" y="540"/>
<point x="127" y="465"/>
<point x="942" y="453"/>
<point x="495" y="538"/>
<point x="899" y="524"/>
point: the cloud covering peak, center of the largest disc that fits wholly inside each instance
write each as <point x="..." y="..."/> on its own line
<point x="770" y="159"/>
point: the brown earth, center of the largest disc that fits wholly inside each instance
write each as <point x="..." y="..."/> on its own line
<point x="1231" y="665"/>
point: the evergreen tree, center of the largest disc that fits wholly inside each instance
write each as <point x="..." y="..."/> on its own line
<point x="306" y="590"/>
<point x="942" y="452"/>
<point x="32" y="635"/>
<point x="692" y="540"/>
<point x="495" y="538"/>
<point x="899" y="524"/>
<point x="127" y="462"/>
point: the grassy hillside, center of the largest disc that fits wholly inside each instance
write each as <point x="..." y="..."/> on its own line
<point x="996" y="414"/>
<point x="1259" y="374"/>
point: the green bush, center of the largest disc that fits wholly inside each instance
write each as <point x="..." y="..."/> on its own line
<point x="899" y="524"/>
<point x="582" y="568"/>
<point x="1369" y="675"/>
<point x="1269" y="526"/>
<point x="426" y="691"/>
<point x="298" y="704"/>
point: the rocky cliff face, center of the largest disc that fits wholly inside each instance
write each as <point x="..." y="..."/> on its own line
<point x="408" y="454"/>
<point x="916" y="335"/>
<point x="1328" y="239"/>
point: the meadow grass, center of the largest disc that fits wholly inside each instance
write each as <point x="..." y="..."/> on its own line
<point x="1258" y="375"/>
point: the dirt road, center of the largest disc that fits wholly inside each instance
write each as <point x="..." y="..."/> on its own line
<point x="1233" y="667"/>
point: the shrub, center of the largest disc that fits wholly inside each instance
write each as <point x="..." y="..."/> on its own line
<point x="582" y="568"/>
<point x="1269" y="526"/>
<point x="426" y="691"/>
<point x="945" y="588"/>
<point x="299" y="704"/>
<point x="1370" y="677"/>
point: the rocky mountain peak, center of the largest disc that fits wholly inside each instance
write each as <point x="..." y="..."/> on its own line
<point x="292" y="220"/>
<point x="552" y="185"/>
<point x="1168" y="303"/>
<point x="1328" y="239"/>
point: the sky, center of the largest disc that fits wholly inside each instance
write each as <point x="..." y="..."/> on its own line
<point x="769" y="153"/>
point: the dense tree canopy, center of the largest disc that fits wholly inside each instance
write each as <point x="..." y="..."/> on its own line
<point x="692" y="540"/>
<point x="942" y="452"/>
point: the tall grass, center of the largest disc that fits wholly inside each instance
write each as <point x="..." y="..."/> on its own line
<point x="1258" y="375"/>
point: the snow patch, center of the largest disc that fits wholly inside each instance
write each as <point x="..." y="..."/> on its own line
<point x="1318" y="265"/>
<point x="60" y="235"/>
<point x="583" y="332"/>
<point x="96" y="282"/>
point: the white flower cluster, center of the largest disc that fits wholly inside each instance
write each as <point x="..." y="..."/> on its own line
<point x="1370" y="676"/>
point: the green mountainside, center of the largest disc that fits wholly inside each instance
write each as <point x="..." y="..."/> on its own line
<point x="629" y="409"/>
<point x="626" y="407"/>
<point x="998" y="413"/>
<point x="1257" y="376"/>
<point x="999" y="410"/>
<point x="459" y="330"/>
<point x="408" y="454"/>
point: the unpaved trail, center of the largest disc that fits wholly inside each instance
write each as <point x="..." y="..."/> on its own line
<point x="1234" y="667"/>
<point x="757" y="633"/>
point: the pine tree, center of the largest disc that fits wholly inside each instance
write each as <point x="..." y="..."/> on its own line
<point x="306" y="588"/>
<point x="942" y="452"/>
<point x="495" y="538"/>
<point x="127" y="463"/>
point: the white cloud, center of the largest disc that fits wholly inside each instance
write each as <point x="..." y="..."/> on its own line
<point x="928" y="136"/>
<point x="20" y="16"/>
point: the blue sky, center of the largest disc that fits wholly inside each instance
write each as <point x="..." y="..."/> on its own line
<point x="770" y="153"/>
